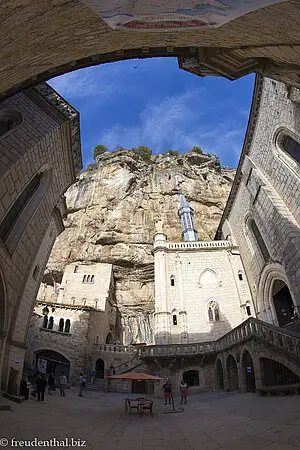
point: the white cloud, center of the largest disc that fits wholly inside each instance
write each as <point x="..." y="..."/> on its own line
<point x="179" y="122"/>
<point x="102" y="81"/>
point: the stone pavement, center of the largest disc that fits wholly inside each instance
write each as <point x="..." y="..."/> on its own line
<point x="227" y="421"/>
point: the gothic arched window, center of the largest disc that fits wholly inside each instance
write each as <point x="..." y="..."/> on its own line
<point x="67" y="326"/>
<point x="9" y="119"/>
<point x="61" y="325"/>
<point x="175" y="319"/>
<point x="14" y="212"/>
<point x="50" y="324"/>
<point x="289" y="145"/>
<point x="172" y="280"/>
<point x="213" y="311"/>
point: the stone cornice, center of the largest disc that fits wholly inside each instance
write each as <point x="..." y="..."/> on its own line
<point x="57" y="107"/>
<point x="256" y="99"/>
<point x="66" y="306"/>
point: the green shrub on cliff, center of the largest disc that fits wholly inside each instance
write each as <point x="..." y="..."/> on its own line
<point x="99" y="149"/>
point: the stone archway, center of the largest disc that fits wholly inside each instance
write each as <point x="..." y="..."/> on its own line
<point x="275" y="373"/>
<point x="254" y="41"/>
<point x="219" y="376"/>
<point x="248" y="372"/>
<point x="283" y="302"/>
<point x="99" y="368"/>
<point x="232" y="374"/>
<point x="51" y="361"/>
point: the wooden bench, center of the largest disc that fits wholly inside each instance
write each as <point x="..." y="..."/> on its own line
<point x="280" y="389"/>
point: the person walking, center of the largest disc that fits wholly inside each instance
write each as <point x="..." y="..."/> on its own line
<point x="183" y="391"/>
<point x="82" y="380"/>
<point x="167" y="392"/>
<point x="41" y="385"/>
<point x="62" y="381"/>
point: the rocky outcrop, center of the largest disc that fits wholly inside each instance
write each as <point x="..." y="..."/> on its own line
<point x="113" y="211"/>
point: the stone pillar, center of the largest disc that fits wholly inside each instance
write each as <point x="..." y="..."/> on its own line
<point x="182" y="311"/>
<point x="162" y="314"/>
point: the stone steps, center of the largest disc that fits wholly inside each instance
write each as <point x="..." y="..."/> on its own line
<point x="97" y="386"/>
<point x="14" y="397"/>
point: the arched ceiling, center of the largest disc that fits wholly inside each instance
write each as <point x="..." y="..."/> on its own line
<point x="44" y="38"/>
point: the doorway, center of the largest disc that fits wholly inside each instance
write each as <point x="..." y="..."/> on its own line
<point x="283" y="303"/>
<point x="248" y="371"/>
<point x="99" y="368"/>
<point x="232" y="374"/>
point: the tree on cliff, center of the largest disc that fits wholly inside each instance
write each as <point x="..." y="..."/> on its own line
<point x="99" y="149"/>
<point x="197" y="150"/>
<point x="143" y="151"/>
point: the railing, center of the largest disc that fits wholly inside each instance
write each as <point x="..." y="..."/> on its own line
<point x="251" y="328"/>
<point x="193" y="245"/>
<point x="116" y="348"/>
<point x="254" y="328"/>
<point x="175" y="350"/>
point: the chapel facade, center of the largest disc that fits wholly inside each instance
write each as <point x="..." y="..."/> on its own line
<point x="201" y="290"/>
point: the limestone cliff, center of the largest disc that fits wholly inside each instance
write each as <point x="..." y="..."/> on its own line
<point x="113" y="213"/>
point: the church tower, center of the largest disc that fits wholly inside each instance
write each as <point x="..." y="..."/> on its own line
<point x="186" y="215"/>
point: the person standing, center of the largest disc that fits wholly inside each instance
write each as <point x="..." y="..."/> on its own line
<point x="62" y="380"/>
<point x="91" y="375"/>
<point x="82" y="387"/>
<point x="24" y="389"/>
<point x="183" y="391"/>
<point x="167" y="392"/>
<point x="41" y="385"/>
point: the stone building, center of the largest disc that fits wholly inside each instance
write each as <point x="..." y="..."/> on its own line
<point x="262" y="215"/>
<point x="39" y="158"/>
<point x="201" y="291"/>
<point x="71" y="319"/>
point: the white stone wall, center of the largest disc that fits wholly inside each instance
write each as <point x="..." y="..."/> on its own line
<point x="200" y="276"/>
<point x="269" y="192"/>
<point x="76" y="290"/>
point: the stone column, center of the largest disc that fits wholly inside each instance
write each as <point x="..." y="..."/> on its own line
<point x="162" y="314"/>
<point x="182" y="311"/>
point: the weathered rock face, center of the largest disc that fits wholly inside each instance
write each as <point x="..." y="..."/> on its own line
<point x="113" y="213"/>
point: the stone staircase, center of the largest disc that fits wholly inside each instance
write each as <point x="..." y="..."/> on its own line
<point x="283" y="339"/>
<point x="97" y="386"/>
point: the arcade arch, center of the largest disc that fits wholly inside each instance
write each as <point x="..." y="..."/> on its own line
<point x="232" y="374"/>
<point x="248" y="372"/>
<point x="219" y="376"/>
<point x="50" y="361"/>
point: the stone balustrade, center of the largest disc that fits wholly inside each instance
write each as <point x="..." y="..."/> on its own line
<point x="203" y="245"/>
<point x="115" y="348"/>
<point x="251" y="328"/>
<point x="163" y="351"/>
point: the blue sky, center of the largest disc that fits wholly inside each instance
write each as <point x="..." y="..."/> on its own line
<point x="152" y="102"/>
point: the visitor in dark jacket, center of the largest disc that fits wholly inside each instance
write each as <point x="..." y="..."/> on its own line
<point x="41" y="385"/>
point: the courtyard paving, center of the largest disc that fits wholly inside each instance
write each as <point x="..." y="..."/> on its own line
<point x="227" y="421"/>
